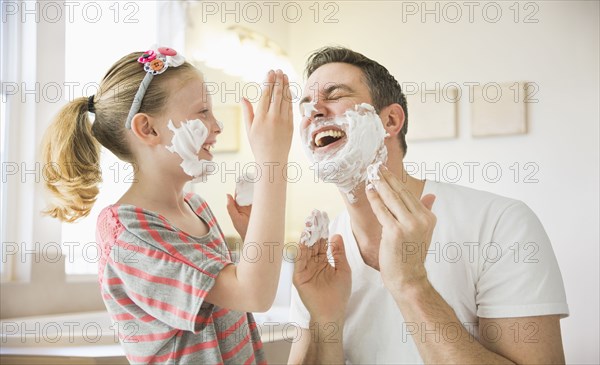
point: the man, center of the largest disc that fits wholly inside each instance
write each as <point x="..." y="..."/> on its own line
<point x="489" y="290"/>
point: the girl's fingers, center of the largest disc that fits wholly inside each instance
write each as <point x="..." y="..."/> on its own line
<point x="288" y="97"/>
<point x="232" y="207"/>
<point x="248" y="114"/>
<point x="267" y="91"/>
<point x="277" y="97"/>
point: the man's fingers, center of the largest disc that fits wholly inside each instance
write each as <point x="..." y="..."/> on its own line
<point x="301" y="259"/>
<point x="384" y="216"/>
<point x="400" y="188"/>
<point x="320" y="248"/>
<point x="428" y="201"/>
<point x="411" y="202"/>
<point x="391" y="199"/>
<point x="338" y="251"/>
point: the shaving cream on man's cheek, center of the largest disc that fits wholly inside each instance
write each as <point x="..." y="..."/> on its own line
<point x="186" y="142"/>
<point x="343" y="147"/>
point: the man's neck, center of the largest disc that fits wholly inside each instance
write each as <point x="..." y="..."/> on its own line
<point x="364" y="224"/>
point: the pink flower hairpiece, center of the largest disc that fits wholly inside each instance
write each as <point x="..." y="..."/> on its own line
<point x="155" y="61"/>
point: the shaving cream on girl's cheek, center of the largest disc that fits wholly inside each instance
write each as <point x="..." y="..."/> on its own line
<point x="346" y="160"/>
<point x="316" y="228"/>
<point x="186" y="142"/>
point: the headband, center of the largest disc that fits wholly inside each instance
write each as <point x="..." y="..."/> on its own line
<point x="155" y="61"/>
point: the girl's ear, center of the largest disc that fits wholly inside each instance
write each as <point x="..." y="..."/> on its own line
<point x="142" y="125"/>
<point x="393" y="118"/>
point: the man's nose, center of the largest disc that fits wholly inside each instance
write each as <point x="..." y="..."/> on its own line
<point x="316" y="110"/>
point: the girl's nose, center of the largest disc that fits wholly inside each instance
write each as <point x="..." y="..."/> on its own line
<point x="218" y="126"/>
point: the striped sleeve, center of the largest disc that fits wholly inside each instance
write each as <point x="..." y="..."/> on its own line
<point x="162" y="270"/>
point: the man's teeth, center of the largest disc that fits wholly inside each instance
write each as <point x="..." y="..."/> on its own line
<point x="207" y="147"/>
<point x="330" y="133"/>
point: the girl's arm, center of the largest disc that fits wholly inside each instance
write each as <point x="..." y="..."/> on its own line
<point x="251" y="285"/>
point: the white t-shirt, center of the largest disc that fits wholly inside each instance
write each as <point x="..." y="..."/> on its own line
<point x="489" y="257"/>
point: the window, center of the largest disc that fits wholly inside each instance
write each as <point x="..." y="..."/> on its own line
<point x="87" y="59"/>
<point x="4" y="262"/>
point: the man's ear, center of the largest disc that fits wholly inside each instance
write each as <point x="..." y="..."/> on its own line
<point x="393" y="118"/>
<point x="142" y="125"/>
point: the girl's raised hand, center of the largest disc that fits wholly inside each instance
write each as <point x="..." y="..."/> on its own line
<point x="270" y="127"/>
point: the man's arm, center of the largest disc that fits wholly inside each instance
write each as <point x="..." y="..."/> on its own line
<point x="408" y="225"/>
<point x="441" y="338"/>
<point x="525" y="340"/>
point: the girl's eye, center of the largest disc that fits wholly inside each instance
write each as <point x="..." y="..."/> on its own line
<point x="204" y="111"/>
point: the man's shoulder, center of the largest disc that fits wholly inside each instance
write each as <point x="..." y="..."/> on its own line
<point x="464" y="197"/>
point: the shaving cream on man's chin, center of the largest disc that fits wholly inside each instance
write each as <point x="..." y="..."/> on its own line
<point x="346" y="165"/>
<point x="186" y="142"/>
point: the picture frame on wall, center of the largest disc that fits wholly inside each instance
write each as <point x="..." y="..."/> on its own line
<point x="432" y="115"/>
<point x="500" y="109"/>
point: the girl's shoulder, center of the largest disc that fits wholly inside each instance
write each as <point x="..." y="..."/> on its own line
<point x="135" y="222"/>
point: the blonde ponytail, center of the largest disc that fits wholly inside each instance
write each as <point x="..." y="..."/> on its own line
<point x="71" y="149"/>
<point x="71" y="157"/>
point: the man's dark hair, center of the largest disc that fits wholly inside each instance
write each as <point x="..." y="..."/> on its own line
<point x="384" y="88"/>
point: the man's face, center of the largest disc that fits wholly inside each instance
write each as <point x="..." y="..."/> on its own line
<point x="334" y="88"/>
<point x="340" y="130"/>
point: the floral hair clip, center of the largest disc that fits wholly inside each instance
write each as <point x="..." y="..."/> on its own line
<point x="155" y="61"/>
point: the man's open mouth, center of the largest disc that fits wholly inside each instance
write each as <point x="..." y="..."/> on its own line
<point x="327" y="136"/>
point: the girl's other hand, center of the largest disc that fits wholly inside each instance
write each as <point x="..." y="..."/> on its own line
<point x="270" y="127"/>
<point x="240" y="216"/>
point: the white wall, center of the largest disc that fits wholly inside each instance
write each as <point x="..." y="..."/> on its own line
<point x="560" y="55"/>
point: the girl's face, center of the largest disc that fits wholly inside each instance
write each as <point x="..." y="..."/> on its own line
<point x="188" y="102"/>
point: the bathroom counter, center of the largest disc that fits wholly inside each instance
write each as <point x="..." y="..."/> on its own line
<point x="88" y="338"/>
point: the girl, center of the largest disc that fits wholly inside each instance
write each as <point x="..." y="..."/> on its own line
<point x="166" y="275"/>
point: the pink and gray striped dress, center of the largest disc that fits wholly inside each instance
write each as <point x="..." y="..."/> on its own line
<point x="154" y="278"/>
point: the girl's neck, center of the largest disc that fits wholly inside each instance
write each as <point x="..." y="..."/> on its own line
<point x="155" y="192"/>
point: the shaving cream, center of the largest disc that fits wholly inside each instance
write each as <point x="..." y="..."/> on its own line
<point x="316" y="227"/>
<point x="244" y="190"/>
<point x="309" y="108"/>
<point x="186" y="142"/>
<point x="346" y="166"/>
<point x="373" y="171"/>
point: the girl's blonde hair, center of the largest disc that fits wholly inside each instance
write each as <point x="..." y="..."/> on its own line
<point x="71" y="146"/>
